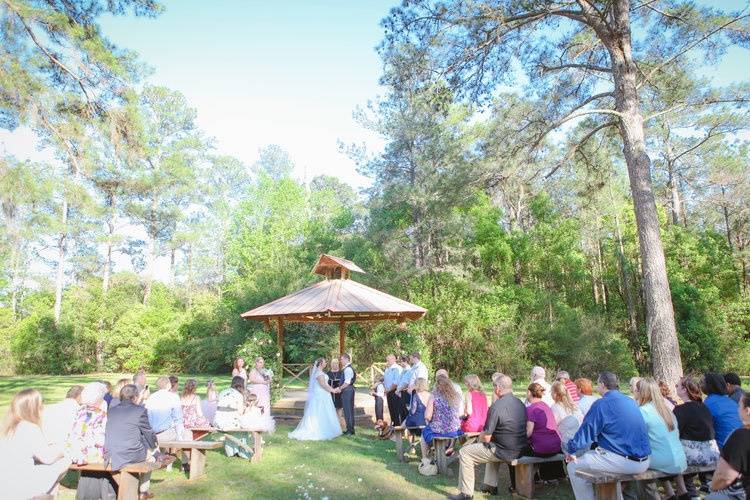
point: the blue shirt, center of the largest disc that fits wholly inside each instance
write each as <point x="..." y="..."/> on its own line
<point x="667" y="454"/>
<point x="165" y="412"/>
<point x="615" y="423"/>
<point x="726" y="419"/>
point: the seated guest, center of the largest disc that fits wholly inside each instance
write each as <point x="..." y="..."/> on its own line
<point x="667" y="454"/>
<point x="441" y="414"/>
<point x="502" y="440"/>
<point x="139" y="379"/>
<point x="734" y="386"/>
<point x="586" y="390"/>
<point x="256" y="417"/>
<point x="174" y="383"/>
<point x="108" y="395"/>
<point x="192" y="412"/>
<point x="696" y="433"/>
<point x="544" y="438"/>
<point x="231" y="407"/>
<point x="633" y="384"/>
<point x="59" y="417"/>
<point x="666" y="393"/>
<point x="475" y="405"/>
<point x="564" y="377"/>
<point x="128" y="436"/>
<point x="616" y="425"/>
<point x="442" y="372"/>
<point x="538" y="376"/>
<point x="209" y="404"/>
<point x="419" y="399"/>
<point x="116" y="392"/>
<point x="731" y="480"/>
<point x="567" y="415"/>
<point x="165" y="412"/>
<point x="724" y="410"/>
<point x="86" y="444"/>
<point x="29" y="465"/>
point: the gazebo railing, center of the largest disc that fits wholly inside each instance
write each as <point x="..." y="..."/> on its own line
<point x="299" y="372"/>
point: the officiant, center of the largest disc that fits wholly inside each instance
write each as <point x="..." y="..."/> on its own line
<point x="334" y="380"/>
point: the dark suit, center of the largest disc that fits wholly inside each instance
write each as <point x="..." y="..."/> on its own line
<point x="128" y="435"/>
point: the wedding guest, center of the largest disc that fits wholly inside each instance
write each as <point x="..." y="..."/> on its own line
<point x="475" y="405"/>
<point x="441" y="414"/>
<point x="85" y="444"/>
<point x="378" y="392"/>
<point x="723" y="409"/>
<point x="165" y="412"/>
<point x="420" y="398"/>
<point x="633" y="385"/>
<point x="259" y="383"/>
<point x="734" y="465"/>
<point x="502" y="440"/>
<point x="238" y="369"/>
<point x="564" y="377"/>
<point x="538" y="376"/>
<point x="230" y="409"/>
<point x="59" y="417"/>
<point x="667" y="454"/>
<point x="391" y="378"/>
<point x="586" y="390"/>
<point x="174" y="384"/>
<point x="116" y="392"/>
<point x="29" y="465"/>
<point x="192" y="411"/>
<point x="616" y="425"/>
<point x="334" y="381"/>
<point x="403" y="387"/>
<point x="442" y="372"/>
<point x="697" y="435"/>
<point x="417" y="370"/>
<point x="567" y="415"/>
<point x="256" y="417"/>
<point x="666" y="393"/>
<point x="108" y="395"/>
<point x="139" y="379"/>
<point x="734" y="386"/>
<point x="209" y="404"/>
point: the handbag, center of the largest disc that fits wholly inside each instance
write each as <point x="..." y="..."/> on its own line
<point x="427" y="467"/>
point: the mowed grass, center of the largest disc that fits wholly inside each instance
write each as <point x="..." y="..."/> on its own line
<point x="356" y="467"/>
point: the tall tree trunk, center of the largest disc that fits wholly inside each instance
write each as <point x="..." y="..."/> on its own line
<point x="110" y="242"/>
<point x="62" y="251"/>
<point x="15" y="281"/>
<point x="151" y="267"/>
<point x="660" y="323"/>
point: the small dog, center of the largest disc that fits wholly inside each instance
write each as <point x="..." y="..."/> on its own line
<point x="384" y="430"/>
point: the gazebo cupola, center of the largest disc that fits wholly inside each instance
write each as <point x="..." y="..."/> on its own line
<point x="335" y="268"/>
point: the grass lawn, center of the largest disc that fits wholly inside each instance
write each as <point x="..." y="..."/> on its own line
<point x="358" y="467"/>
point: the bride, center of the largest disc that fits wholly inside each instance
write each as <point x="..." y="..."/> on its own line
<point x="319" y="422"/>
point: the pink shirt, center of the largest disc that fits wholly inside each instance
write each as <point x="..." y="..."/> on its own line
<point x="475" y="422"/>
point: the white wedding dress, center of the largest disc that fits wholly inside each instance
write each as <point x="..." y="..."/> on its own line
<point x="320" y="422"/>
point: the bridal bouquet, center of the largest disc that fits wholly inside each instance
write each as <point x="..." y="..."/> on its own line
<point x="267" y="373"/>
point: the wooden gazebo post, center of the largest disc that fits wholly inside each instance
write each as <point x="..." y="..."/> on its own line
<point x="342" y="337"/>
<point x="280" y="339"/>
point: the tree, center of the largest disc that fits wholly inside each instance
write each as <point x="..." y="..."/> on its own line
<point x="601" y="57"/>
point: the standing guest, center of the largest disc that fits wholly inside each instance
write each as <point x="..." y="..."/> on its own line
<point x="116" y="392"/>
<point x="567" y="415"/>
<point x="139" y="379"/>
<point x="378" y="392"/>
<point x="403" y="387"/>
<point x="418" y="370"/>
<point x="475" y="405"/>
<point x="238" y="369"/>
<point x="59" y="417"/>
<point x="667" y="454"/>
<point x="616" y="425"/>
<point x="734" y="386"/>
<point x="334" y="381"/>
<point x="732" y="475"/>
<point x="564" y="377"/>
<point x="29" y="465"/>
<point x="538" y="376"/>
<point x="419" y="399"/>
<point x="108" y="395"/>
<point x="209" y="404"/>
<point x="259" y="383"/>
<point x="174" y="384"/>
<point x="723" y="409"/>
<point x="391" y="378"/>
<point x="502" y="440"/>
<point x="165" y="412"/>
<point x="586" y="390"/>
<point x="128" y="436"/>
<point x="666" y="393"/>
<point x="441" y="414"/>
<point x="697" y="435"/>
<point x="192" y="411"/>
<point x="85" y="444"/>
<point x="348" y="378"/>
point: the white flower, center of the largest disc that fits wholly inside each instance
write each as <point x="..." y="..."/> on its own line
<point x="359" y="479"/>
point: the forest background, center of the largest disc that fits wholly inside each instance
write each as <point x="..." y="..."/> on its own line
<point x="521" y="255"/>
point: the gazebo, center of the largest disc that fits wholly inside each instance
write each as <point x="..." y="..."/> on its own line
<point x="336" y="299"/>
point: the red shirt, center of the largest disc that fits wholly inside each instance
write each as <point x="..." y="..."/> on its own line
<point x="572" y="390"/>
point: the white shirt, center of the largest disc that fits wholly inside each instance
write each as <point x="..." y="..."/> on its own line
<point x="391" y="376"/>
<point x="348" y="374"/>
<point x="547" y="398"/>
<point x="58" y="419"/>
<point x="584" y="404"/>
<point x="419" y="370"/>
<point x="380" y="390"/>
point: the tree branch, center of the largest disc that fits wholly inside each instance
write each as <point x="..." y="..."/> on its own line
<point x="591" y="67"/>
<point x="572" y="151"/>
<point x="705" y="102"/>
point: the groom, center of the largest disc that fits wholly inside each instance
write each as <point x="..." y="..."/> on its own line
<point x="348" y="377"/>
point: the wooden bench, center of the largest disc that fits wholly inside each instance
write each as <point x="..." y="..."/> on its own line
<point x="441" y="444"/>
<point x="256" y="452"/>
<point x="606" y="484"/>
<point x="401" y="433"/>
<point x="127" y="478"/>
<point x="197" y="454"/>
<point x="524" y="472"/>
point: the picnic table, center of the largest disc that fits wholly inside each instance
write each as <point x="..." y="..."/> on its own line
<point x="127" y="478"/>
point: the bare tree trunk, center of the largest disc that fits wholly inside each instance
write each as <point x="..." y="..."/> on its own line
<point x="62" y="251"/>
<point x="600" y="261"/>
<point x="660" y="323"/>
<point x="151" y="265"/>
<point x="15" y="283"/>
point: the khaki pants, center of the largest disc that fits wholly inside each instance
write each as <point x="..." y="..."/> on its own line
<point x="469" y="457"/>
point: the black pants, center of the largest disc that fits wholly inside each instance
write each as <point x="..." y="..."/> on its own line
<point x="347" y="400"/>
<point x="405" y="402"/>
<point x="378" y="408"/>
<point x="547" y="471"/>
<point x="394" y="407"/>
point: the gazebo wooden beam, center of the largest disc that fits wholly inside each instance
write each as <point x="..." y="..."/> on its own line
<point x="336" y="319"/>
<point x="342" y="337"/>
<point x="280" y="337"/>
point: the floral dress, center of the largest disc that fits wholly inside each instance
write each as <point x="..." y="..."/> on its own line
<point x="445" y="421"/>
<point x="85" y="444"/>
<point x="190" y="417"/>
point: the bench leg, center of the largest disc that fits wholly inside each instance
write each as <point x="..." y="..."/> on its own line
<point x="525" y="480"/>
<point x="127" y="485"/>
<point x="440" y="458"/>
<point x="606" y="491"/>
<point x="197" y="463"/>
<point x="398" y="438"/>
<point x="258" y="447"/>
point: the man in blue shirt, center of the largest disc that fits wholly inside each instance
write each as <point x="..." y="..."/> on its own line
<point x="612" y="438"/>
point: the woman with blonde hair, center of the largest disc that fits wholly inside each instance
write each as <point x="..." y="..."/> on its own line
<point x="259" y="383"/>
<point x="116" y="392"/>
<point x="29" y="466"/>
<point x="667" y="454"/>
<point x="567" y="415"/>
<point x="441" y="414"/>
<point x="475" y="405"/>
